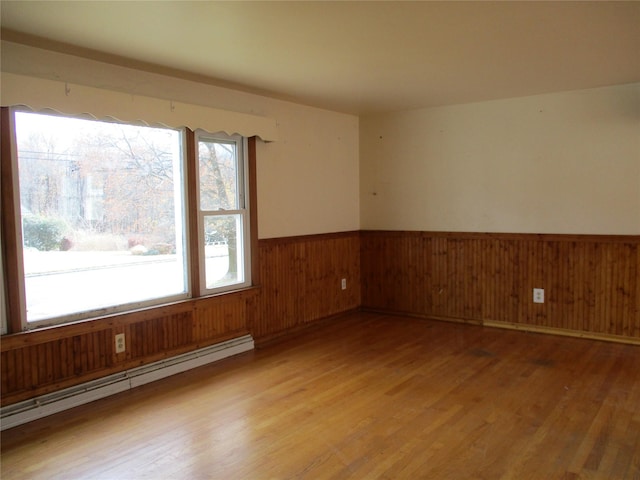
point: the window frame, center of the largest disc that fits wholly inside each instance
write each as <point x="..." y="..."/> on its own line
<point x="97" y="311"/>
<point x="243" y="209"/>
<point x="11" y="236"/>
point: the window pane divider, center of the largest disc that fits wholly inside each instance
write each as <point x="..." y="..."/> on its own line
<point x="209" y="213"/>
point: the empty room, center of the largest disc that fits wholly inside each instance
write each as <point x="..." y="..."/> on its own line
<point x="323" y="240"/>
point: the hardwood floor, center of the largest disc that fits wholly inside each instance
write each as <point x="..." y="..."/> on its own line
<point x="365" y="396"/>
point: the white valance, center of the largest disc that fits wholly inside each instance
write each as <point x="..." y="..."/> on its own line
<point x="39" y="94"/>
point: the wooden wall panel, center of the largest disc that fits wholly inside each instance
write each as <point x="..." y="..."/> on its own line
<point x="219" y="317"/>
<point x="591" y="282"/>
<point x="300" y="281"/>
<point x="42" y="361"/>
<point x="300" y="284"/>
<point x="591" y="288"/>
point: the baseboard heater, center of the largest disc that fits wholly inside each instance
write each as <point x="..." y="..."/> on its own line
<point x="44" y="405"/>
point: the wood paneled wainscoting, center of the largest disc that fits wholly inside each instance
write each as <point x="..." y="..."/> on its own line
<point x="301" y="282"/>
<point x="591" y="283"/>
<point x="42" y="361"/>
<point x="591" y="287"/>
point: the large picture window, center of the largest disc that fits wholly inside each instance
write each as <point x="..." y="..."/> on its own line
<point x="101" y="210"/>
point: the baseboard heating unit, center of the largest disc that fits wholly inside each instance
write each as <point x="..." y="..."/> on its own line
<point x="44" y="405"/>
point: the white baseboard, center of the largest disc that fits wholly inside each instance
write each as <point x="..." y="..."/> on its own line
<point x="44" y="405"/>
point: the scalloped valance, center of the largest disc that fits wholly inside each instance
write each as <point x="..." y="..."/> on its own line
<point x="40" y="95"/>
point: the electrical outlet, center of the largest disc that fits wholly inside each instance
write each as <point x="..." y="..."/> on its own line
<point x="121" y="346"/>
<point x="538" y="295"/>
<point x="344" y="283"/>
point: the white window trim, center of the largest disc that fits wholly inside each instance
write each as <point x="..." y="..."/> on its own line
<point x="242" y="172"/>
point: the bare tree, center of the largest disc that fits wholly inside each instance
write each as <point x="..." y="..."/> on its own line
<point x="106" y="178"/>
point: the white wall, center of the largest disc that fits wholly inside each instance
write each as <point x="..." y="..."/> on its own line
<point x="307" y="180"/>
<point x="559" y="163"/>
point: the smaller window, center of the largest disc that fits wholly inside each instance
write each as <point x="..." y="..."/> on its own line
<point x="223" y="217"/>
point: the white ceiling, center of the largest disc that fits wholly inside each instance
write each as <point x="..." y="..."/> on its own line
<point x="357" y="57"/>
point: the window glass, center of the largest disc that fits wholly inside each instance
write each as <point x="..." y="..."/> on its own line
<point x="102" y="215"/>
<point x="218" y="169"/>
<point x="223" y="250"/>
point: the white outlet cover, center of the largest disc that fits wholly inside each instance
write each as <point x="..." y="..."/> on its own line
<point x="120" y="343"/>
<point x="538" y="295"/>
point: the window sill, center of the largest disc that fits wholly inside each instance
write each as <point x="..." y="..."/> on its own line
<point x="48" y="333"/>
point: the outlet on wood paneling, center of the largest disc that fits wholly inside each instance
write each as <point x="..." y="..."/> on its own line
<point x="40" y="362"/>
<point x="591" y="281"/>
<point x="298" y="281"/>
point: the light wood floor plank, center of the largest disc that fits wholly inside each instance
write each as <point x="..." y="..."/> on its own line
<point x="366" y="396"/>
